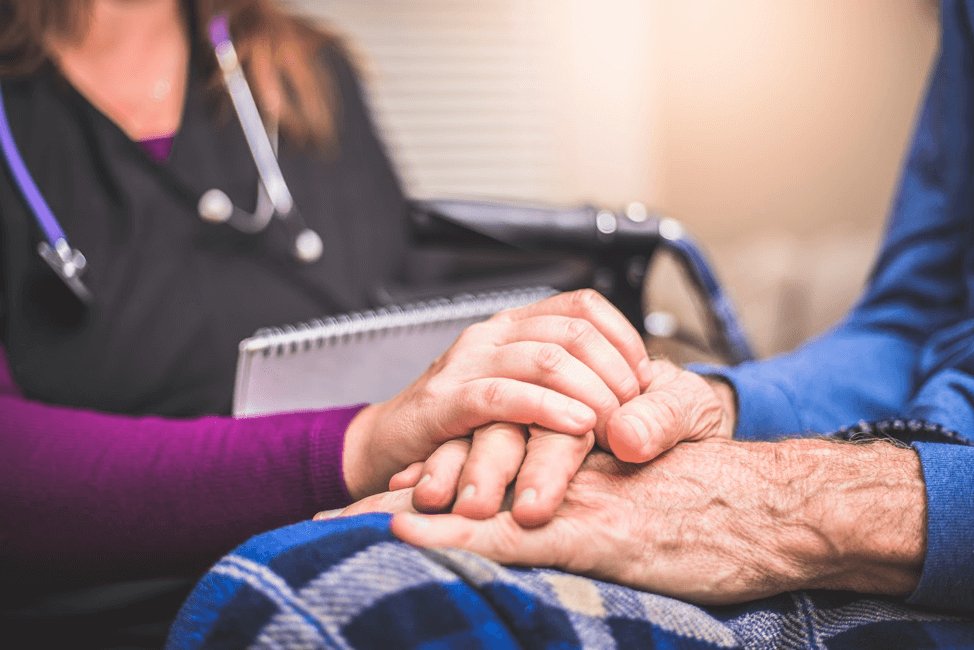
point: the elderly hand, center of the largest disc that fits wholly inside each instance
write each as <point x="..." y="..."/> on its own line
<point x="565" y="363"/>
<point x="676" y="405"/>
<point x="716" y="521"/>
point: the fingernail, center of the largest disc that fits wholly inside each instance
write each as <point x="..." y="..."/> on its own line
<point x="415" y="520"/>
<point x="426" y="479"/>
<point x="638" y="429"/>
<point x="527" y="497"/>
<point x="645" y="372"/>
<point x="328" y="514"/>
<point x="468" y="492"/>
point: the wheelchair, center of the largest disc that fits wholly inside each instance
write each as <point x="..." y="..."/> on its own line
<point x="467" y="246"/>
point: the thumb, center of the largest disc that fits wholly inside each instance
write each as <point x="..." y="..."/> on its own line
<point x="646" y="426"/>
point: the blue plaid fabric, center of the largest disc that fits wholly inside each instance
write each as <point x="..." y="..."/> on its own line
<point x="349" y="583"/>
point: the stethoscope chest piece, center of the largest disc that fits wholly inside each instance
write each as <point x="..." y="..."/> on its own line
<point x="274" y="198"/>
<point x="68" y="264"/>
<point x="58" y="293"/>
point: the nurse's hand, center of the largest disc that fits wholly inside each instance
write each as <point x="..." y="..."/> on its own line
<point x="565" y="363"/>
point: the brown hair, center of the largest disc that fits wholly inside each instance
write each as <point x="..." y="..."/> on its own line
<point x="280" y="52"/>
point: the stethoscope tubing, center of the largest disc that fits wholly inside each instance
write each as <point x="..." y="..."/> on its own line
<point x="252" y="125"/>
<point x="274" y="198"/>
<point x="22" y="177"/>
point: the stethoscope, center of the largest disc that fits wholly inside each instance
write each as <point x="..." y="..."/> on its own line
<point x="273" y="196"/>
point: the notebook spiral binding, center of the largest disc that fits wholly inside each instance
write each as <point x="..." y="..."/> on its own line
<point x="385" y="321"/>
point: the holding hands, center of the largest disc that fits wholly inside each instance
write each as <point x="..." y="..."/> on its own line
<point x="675" y="406"/>
<point x="565" y="363"/>
<point x="714" y="522"/>
<point x="525" y="396"/>
<point x="704" y="522"/>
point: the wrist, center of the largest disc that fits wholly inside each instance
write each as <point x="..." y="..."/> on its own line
<point x="355" y="453"/>
<point x="728" y="399"/>
<point x="858" y="519"/>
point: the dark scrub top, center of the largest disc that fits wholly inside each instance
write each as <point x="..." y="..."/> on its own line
<point x="174" y="295"/>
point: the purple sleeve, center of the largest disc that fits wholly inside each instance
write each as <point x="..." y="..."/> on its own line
<point x="90" y="495"/>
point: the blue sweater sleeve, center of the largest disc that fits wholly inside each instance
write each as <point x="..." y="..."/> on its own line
<point x="947" y="579"/>
<point x="866" y="368"/>
<point x="907" y="348"/>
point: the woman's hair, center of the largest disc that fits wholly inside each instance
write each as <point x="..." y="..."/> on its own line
<point x="280" y="52"/>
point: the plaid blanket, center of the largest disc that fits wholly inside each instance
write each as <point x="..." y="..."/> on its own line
<point x="349" y="583"/>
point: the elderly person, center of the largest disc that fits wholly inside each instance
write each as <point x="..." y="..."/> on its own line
<point x="749" y="501"/>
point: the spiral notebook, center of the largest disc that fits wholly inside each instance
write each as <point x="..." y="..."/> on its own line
<point x="366" y="356"/>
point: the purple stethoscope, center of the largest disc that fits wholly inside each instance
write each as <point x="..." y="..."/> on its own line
<point x="273" y="196"/>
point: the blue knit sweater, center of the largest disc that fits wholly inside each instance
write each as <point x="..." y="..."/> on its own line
<point x="907" y="348"/>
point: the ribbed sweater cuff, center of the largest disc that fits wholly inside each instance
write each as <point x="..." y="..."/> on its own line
<point x="947" y="579"/>
<point x="326" y="442"/>
<point x="764" y="410"/>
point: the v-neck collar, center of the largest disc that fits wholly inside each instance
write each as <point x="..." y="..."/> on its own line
<point x="106" y="122"/>
<point x="208" y="149"/>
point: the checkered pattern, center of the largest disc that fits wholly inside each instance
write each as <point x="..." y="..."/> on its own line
<point x="348" y="583"/>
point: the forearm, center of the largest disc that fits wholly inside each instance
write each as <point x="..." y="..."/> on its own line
<point x="852" y="516"/>
<point x="85" y="495"/>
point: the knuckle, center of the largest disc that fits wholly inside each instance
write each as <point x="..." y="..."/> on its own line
<point x="435" y="390"/>
<point x="471" y="335"/>
<point x="493" y="394"/>
<point x="549" y="357"/>
<point x="503" y="316"/>
<point x="588" y="300"/>
<point x="578" y="331"/>
<point x="669" y="417"/>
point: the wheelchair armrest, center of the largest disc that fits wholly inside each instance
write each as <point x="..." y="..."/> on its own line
<point x="581" y="229"/>
<point x="618" y="246"/>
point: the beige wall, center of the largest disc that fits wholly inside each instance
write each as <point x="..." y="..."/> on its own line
<point x="773" y="128"/>
<point x="782" y="125"/>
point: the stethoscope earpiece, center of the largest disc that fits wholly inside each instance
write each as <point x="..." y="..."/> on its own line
<point x="308" y="246"/>
<point x="215" y="206"/>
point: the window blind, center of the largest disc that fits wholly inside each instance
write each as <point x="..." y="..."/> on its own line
<point x="461" y="91"/>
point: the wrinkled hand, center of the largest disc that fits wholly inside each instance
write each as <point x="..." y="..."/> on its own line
<point x="565" y="363"/>
<point x="673" y="526"/>
<point x="677" y="405"/>
<point x="714" y="522"/>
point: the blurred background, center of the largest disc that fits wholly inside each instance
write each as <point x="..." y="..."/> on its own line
<point x="773" y="129"/>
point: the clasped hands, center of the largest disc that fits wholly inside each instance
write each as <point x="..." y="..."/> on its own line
<point x="525" y="395"/>
<point x="521" y="400"/>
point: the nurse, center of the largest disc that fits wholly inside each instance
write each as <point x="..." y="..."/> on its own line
<point x="117" y="457"/>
